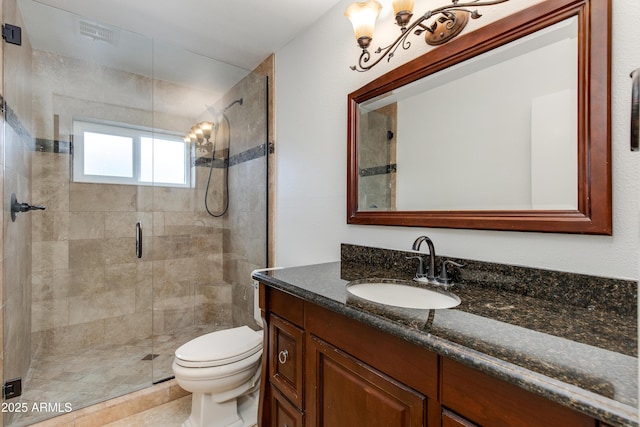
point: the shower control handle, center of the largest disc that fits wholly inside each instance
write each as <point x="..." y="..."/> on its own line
<point x="17" y="207"/>
<point x="25" y="207"/>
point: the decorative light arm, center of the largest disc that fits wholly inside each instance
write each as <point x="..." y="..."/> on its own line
<point x="452" y="20"/>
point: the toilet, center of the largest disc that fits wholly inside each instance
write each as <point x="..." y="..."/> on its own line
<point x="222" y="371"/>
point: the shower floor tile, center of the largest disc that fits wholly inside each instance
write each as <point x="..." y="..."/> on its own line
<point x="97" y="374"/>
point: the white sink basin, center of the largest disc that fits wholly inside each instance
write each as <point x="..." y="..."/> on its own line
<point x="402" y="295"/>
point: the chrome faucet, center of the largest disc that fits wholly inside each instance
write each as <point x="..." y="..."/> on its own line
<point x="431" y="271"/>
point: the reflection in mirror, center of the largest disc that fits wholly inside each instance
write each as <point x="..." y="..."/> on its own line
<point x="504" y="128"/>
<point x="519" y="149"/>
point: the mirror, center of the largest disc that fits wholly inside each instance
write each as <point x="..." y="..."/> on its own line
<point x="505" y="128"/>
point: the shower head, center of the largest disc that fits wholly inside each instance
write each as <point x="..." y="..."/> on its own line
<point x="237" y="101"/>
<point x="215" y="113"/>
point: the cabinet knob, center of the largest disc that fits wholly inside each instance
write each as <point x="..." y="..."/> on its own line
<point x="282" y="357"/>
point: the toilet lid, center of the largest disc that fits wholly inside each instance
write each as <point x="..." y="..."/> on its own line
<point x="219" y="348"/>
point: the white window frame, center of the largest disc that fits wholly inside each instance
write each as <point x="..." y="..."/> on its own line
<point x="80" y="126"/>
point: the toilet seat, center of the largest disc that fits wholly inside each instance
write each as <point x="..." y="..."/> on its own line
<point x="219" y="348"/>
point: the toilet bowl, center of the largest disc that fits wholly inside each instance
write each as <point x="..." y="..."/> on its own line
<point x="222" y="371"/>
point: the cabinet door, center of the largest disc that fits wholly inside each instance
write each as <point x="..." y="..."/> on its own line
<point x="345" y="392"/>
<point x="286" y="343"/>
<point x="284" y="414"/>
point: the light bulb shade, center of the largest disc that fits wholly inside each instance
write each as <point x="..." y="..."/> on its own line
<point x="402" y="6"/>
<point x="192" y="136"/>
<point x="403" y="10"/>
<point x="206" y="128"/>
<point x="199" y="135"/>
<point x="363" y="17"/>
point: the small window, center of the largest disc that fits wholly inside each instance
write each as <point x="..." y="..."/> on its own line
<point x="115" y="154"/>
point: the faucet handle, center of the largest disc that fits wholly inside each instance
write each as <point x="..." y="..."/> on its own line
<point x="420" y="271"/>
<point x="444" y="277"/>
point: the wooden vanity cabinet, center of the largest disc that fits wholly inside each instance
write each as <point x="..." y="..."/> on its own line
<point x="489" y="401"/>
<point x="324" y="369"/>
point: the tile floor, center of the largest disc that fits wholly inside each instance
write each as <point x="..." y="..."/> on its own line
<point x="98" y="374"/>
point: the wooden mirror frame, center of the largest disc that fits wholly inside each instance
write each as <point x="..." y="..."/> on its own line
<point x="594" y="213"/>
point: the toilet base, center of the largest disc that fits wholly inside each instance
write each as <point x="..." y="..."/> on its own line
<point x="206" y="412"/>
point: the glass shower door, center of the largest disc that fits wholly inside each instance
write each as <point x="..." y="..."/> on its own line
<point x="77" y="319"/>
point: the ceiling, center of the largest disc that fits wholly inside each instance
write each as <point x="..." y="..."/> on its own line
<point x="186" y="34"/>
<point x="238" y="32"/>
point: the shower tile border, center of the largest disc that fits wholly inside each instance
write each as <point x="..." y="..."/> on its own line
<point x="12" y="119"/>
<point x="378" y="170"/>
<point x="256" y="152"/>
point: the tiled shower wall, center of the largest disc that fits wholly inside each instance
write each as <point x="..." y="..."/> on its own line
<point x="245" y="247"/>
<point x="88" y="287"/>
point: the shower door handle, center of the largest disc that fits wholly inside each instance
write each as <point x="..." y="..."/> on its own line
<point x="635" y="111"/>
<point x="139" y="239"/>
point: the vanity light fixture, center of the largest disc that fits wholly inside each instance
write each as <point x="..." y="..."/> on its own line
<point x="449" y="21"/>
<point x="200" y="136"/>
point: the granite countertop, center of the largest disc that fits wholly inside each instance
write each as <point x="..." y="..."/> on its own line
<point x="583" y="358"/>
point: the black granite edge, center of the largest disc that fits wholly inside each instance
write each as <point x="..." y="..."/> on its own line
<point x="378" y="170"/>
<point x="580" y="290"/>
<point x="587" y="402"/>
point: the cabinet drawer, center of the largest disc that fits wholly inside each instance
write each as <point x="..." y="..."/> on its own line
<point x="489" y="401"/>
<point x="286" y="346"/>
<point x="286" y="306"/>
<point x="284" y="414"/>
<point x="449" y="419"/>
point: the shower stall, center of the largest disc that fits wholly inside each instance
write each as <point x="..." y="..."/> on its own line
<point x="125" y="263"/>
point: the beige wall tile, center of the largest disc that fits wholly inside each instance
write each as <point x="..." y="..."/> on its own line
<point x="49" y="255"/>
<point x="86" y="225"/>
<point x="119" y="250"/>
<point x="48" y="314"/>
<point x="86" y="253"/>
<point x="100" y="198"/>
<point x="109" y="304"/>
<point x="50" y="167"/>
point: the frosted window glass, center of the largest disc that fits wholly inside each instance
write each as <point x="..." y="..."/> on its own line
<point x="162" y="159"/>
<point x="146" y="160"/>
<point x="108" y="155"/>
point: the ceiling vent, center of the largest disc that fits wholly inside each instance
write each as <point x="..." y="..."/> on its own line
<point x="97" y="32"/>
